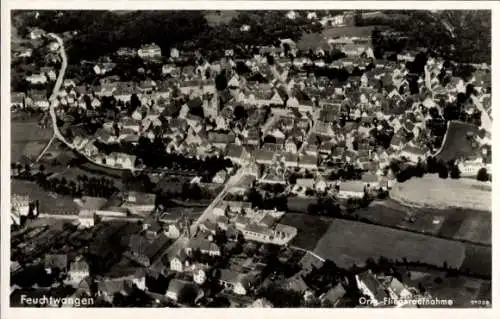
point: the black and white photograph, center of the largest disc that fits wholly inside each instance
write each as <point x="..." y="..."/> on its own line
<point x="250" y="158"/>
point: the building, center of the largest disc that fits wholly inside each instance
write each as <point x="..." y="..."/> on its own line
<point x="149" y="51"/>
<point x="78" y="270"/>
<point x="139" y="202"/>
<point x="204" y="246"/>
<point x="280" y="235"/>
<point x="471" y="167"/>
<point x="370" y="287"/>
<point x="145" y="251"/>
<point x="179" y="262"/>
<point x="333" y="296"/>
<point x="352" y="189"/>
<point x="182" y="291"/>
<point x="239" y="283"/>
<point x="56" y="262"/>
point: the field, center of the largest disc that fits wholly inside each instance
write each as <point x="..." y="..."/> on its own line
<point x="432" y="191"/>
<point x="478" y="260"/>
<point x="348" y="243"/>
<point x="48" y="201"/>
<point x="311" y="228"/>
<point x="28" y="140"/>
<point x="456" y="144"/>
<point x="454" y="223"/>
<point x="300" y="204"/>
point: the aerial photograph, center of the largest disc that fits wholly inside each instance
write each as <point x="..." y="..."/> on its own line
<point x="251" y="159"/>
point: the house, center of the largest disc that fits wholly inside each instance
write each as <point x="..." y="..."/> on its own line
<point x="470" y="167"/>
<point x="126" y="52"/>
<point x="56" y="262"/>
<point x="145" y="251"/>
<point x="204" y="246"/>
<point x="308" y="162"/>
<point x="199" y="275"/>
<point x="17" y="99"/>
<point x="264" y="157"/>
<point x="173" y="231"/>
<point x="139" y="201"/>
<point x="120" y="160"/>
<point x="280" y="235"/>
<point x="179" y="262"/>
<point x="239" y="283"/>
<point x="236" y="153"/>
<point x="369" y="286"/>
<point x="78" y="270"/>
<point x="149" y="51"/>
<point x="37" y="78"/>
<point x="351" y="189"/>
<point x="108" y="288"/>
<point x="182" y="291"/>
<point x="333" y="296"/>
<point x="49" y="72"/>
<point x="36" y="33"/>
<point x="220" y="209"/>
<point x="290" y="159"/>
<point x="220" y="177"/>
<point x="261" y="303"/>
<point x="398" y="291"/>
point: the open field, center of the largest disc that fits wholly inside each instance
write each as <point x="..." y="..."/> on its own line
<point x="311" y="228"/>
<point x="348" y="243"/>
<point x="454" y="223"/>
<point x="476" y="230"/>
<point x="456" y="144"/>
<point x="432" y="191"/>
<point x="27" y="139"/>
<point x="300" y="204"/>
<point x="48" y="201"/>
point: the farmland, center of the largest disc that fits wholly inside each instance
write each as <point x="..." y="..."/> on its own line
<point x="457" y="144"/>
<point x="28" y="139"/>
<point x="431" y="191"/>
<point x="350" y="243"/>
<point x="462" y="224"/>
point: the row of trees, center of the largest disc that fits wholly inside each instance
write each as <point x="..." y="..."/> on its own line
<point x="83" y="186"/>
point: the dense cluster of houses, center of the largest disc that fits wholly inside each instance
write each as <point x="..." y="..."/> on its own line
<point x="276" y="118"/>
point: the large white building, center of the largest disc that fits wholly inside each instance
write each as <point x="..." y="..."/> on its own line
<point x="149" y="51"/>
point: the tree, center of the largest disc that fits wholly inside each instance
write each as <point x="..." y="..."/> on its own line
<point x="454" y="172"/>
<point x="221" y="81"/>
<point x="443" y="171"/>
<point x="270" y="59"/>
<point x="482" y="175"/>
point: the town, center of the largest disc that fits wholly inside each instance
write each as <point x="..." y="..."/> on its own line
<point x="329" y="164"/>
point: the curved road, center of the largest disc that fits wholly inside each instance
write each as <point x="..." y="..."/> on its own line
<point x="57" y="87"/>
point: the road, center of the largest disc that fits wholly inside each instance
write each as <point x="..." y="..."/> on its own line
<point x="183" y="240"/>
<point x="57" y="87"/>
